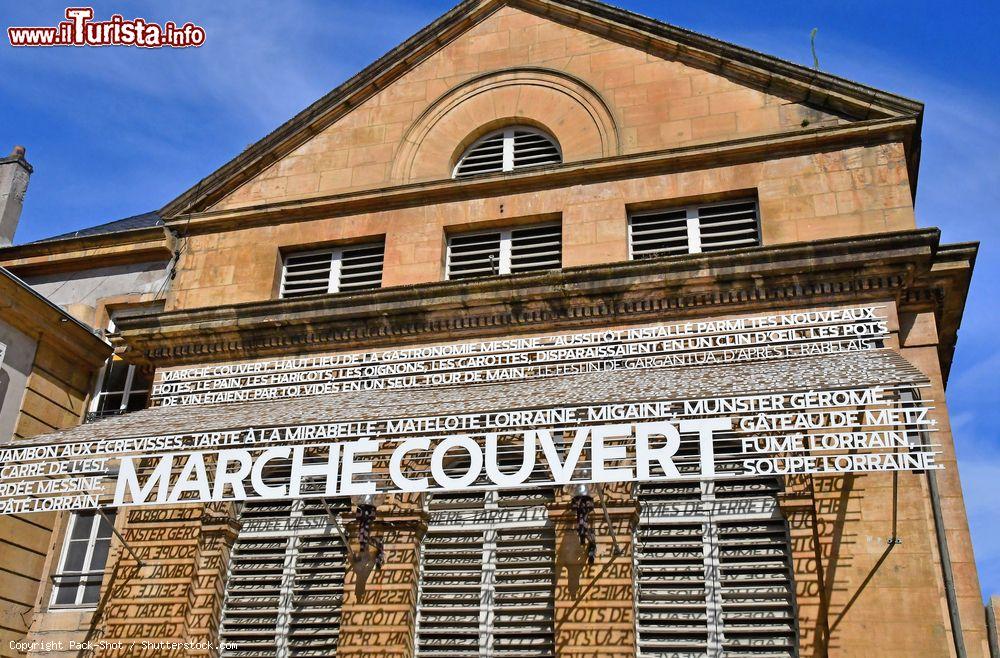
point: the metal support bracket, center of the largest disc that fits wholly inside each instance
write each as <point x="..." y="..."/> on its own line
<point x="616" y="548"/>
<point x="335" y="520"/>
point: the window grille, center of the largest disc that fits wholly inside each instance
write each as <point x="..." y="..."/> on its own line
<point x="84" y="557"/>
<point x="332" y="270"/>
<point x="509" y="149"/>
<point x="487" y="576"/>
<point x="695" y="229"/>
<point x="285" y="586"/>
<point x="713" y="570"/>
<point x="510" y="251"/>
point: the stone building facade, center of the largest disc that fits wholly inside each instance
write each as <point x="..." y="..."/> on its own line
<point x="48" y="362"/>
<point x="536" y="170"/>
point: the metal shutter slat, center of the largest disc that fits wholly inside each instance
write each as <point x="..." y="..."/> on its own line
<point x="473" y="255"/>
<point x="532" y="248"/>
<point x="658" y="234"/>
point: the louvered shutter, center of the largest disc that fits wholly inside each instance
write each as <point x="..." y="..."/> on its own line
<point x="486" y="156"/>
<point x="450" y="591"/>
<point x="533" y="149"/>
<point x="755" y="570"/>
<point x="713" y="571"/>
<point x="522" y="623"/>
<point x="729" y="226"/>
<point x="317" y="596"/>
<point x="671" y="606"/>
<point x="361" y="267"/>
<point x="307" y="274"/>
<point x="254" y="593"/>
<point x="536" y="248"/>
<point x="757" y="590"/>
<point x="659" y="234"/>
<point x="694" y="229"/>
<point x="474" y="254"/>
<point x="333" y="270"/>
<point x="509" y="251"/>
<point x="487" y="576"/>
<point x="516" y="147"/>
<point x="284" y="590"/>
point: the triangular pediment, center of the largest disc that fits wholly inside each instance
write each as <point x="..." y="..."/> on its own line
<point x="603" y="81"/>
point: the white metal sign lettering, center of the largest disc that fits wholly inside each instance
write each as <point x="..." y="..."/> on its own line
<point x="821" y="432"/>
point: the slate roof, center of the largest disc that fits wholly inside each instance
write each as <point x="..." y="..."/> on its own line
<point x="882" y="367"/>
<point x="144" y="220"/>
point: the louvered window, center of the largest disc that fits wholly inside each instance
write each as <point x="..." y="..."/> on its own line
<point x="512" y="148"/>
<point x="713" y="569"/>
<point x="332" y="270"/>
<point x="508" y="251"/>
<point x="285" y="586"/>
<point x="487" y="576"/>
<point x="694" y="230"/>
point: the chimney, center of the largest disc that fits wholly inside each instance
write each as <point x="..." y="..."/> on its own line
<point x="14" y="173"/>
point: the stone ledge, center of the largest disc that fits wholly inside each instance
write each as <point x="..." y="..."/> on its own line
<point x="891" y="266"/>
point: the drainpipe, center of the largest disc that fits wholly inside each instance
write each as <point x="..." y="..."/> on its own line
<point x="942" y="542"/>
<point x="949" y="578"/>
<point x="991" y="629"/>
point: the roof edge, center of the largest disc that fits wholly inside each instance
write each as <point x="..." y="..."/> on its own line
<point x="360" y="82"/>
<point x="84" y="342"/>
<point x="158" y="235"/>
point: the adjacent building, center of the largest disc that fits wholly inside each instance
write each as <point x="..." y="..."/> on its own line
<point x="529" y="206"/>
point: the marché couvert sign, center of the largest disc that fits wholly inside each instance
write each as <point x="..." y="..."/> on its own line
<point x="842" y="428"/>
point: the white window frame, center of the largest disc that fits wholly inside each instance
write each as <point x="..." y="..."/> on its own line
<point x="693" y="223"/>
<point x="126" y="392"/>
<point x="60" y="573"/>
<point x="506" y="246"/>
<point x="507" y="157"/>
<point x="336" y="265"/>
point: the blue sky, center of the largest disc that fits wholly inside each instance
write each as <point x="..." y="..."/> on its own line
<point x="113" y="132"/>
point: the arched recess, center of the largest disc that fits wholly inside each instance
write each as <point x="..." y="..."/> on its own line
<point x="561" y="105"/>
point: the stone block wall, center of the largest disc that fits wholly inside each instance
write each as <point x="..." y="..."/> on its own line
<point x="654" y="103"/>
<point x="853" y="191"/>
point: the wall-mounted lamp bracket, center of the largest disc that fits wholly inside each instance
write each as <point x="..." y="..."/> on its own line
<point x="128" y="548"/>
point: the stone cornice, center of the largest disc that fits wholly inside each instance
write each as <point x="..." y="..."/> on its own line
<point x="763" y="71"/>
<point x="702" y="156"/>
<point x="944" y="289"/>
<point x="865" y="268"/>
<point x="37" y="317"/>
<point x="139" y="245"/>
